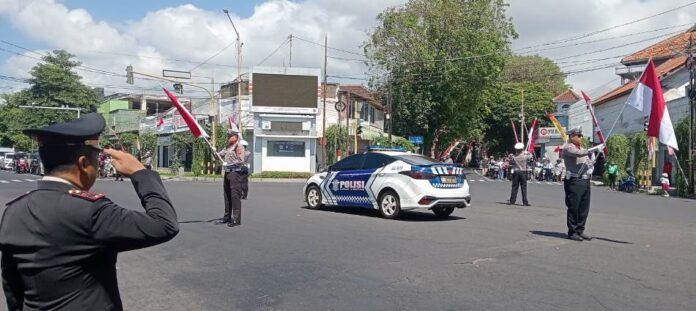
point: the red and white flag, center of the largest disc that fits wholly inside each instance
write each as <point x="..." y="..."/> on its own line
<point x="647" y="97"/>
<point x="530" y="147"/>
<point x="160" y="122"/>
<point x="196" y="129"/>
<point x="598" y="130"/>
<point x="514" y="131"/>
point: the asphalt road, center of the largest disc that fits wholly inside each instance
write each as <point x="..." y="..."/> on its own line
<point x="487" y="257"/>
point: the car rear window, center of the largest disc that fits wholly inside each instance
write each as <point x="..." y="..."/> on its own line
<point x="416" y="159"/>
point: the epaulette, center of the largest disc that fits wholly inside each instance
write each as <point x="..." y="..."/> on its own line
<point x="19" y="197"/>
<point x="89" y="196"/>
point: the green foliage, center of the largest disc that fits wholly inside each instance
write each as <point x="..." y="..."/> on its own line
<point x="639" y="141"/>
<point x="201" y="157"/>
<point x="682" y="133"/>
<point x="534" y="79"/>
<point x="148" y="142"/>
<point x="426" y="53"/>
<point x="181" y="142"/>
<point x="129" y="142"/>
<point x="53" y="84"/>
<point x="335" y="139"/>
<point x="274" y="174"/>
<point x="397" y="142"/>
<point x="619" y="147"/>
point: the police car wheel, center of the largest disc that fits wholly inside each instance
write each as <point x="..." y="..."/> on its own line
<point x="313" y="197"/>
<point x="389" y="205"/>
<point x="443" y="212"/>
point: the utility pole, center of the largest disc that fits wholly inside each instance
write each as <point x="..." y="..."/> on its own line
<point x="323" y="124"/>
<point x="349" y="108"/>
<point x="692" y="115"/>
<point x="355" y="128"/>
<point x="522" y="125"/>
<point x="290" y="62"/>
<point x="389" y="109"/>
<point x="239" y="74"/>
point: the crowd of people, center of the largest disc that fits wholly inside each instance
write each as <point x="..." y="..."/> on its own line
<point x="498" y="167"/>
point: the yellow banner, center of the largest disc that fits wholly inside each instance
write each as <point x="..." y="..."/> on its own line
<point x="558" y="126"/>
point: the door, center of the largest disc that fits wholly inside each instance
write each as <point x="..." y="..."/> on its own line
<point x="346" y="182"/>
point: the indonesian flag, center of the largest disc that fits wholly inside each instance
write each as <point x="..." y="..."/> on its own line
<point x="196" y="129"/>
<point x="588" y="101"/>
<point x="530" y="147"/>
<point x="647" y="97"/>
<point x="160" y="122"/>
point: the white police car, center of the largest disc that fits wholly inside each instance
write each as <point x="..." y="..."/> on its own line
<point x="390" y="182"/>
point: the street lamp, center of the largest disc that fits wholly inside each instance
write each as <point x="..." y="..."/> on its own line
<point x="239" y="73"/>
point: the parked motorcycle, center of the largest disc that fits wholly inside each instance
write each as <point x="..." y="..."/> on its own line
<point x="627" y="183"/>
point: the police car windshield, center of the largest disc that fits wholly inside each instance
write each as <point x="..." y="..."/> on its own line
<point x="416" y="159"/>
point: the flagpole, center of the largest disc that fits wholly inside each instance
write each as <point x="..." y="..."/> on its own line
<point x="686" y="180"/>
<point x="213" y="149"/>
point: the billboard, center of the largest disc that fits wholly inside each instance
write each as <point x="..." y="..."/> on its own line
<point x="286" y="91"/>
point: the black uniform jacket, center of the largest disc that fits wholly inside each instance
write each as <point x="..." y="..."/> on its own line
<point x="59" y="245"/>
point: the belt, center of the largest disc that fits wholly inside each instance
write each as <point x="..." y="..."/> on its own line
<point x="582" y="177"/>
<point x="235" y="168"/>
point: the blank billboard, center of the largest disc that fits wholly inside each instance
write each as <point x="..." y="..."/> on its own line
<point x="276" y="90"/>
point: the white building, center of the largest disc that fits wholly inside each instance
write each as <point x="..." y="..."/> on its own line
<point x="669" y="58"/>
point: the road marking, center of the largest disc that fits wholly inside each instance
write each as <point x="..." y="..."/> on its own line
<point x="549" y="183"/>
<point x="31" y="179"/>
<point x="4" y="182"/>
<point x="557" y="183"/>
<point x="481" y="180"/>
<point x="16" y="180"/>
<point x="538" y="182"/>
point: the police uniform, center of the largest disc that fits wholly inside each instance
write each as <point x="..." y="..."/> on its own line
<point x="577" y="186"/>
<point x="60" y="244"/>
<point x="519" y="175"/>
<point x="235" y="173"/>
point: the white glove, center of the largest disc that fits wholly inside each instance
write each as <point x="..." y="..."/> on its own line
<point x="224" y="163"/>
<point x="595" y="148"/>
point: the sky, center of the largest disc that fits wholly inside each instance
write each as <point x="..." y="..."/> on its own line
<point x="154" y="35"/>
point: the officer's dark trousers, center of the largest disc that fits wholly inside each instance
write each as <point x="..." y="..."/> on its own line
<point x="519" y="180"/>
<point x="577" y="199"/>
<point x="232" y="188"/>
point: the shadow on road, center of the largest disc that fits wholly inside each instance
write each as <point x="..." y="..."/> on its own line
<point x="411" y="216"/>
<point x="197" y="221"/>
<point x="562" y="235"/>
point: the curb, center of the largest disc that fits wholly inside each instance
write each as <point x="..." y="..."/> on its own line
<point x="254" y="180"/>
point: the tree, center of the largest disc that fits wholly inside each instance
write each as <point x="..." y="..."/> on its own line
<point x="534" y="79"/>
<point x="437" y="59"/>
<point x="53" y="84"/>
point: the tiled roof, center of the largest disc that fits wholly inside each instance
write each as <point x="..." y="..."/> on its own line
<point x="663" y="49"/>
<point x="360" y="91"/>
<point x="663" y="69"/>
<point x="567" y="96"/>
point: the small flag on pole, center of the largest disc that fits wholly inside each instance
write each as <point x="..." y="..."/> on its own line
<point x="598" y="130"/>
<point x="196" y="129"/>
<point x="160" y="122"/>
<point x="530" y="147"/>
<point x="514" y="131"/>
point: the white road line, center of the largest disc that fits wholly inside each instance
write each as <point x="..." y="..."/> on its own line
<point x="557" y="183"/>
<point x="481" y="180"/>
<point x="31" y="179"/>
<point x="549" y="183"/>
<point x="16" y="180"/>
<point x="4" y="182"/>
<point x="538" y="182"/>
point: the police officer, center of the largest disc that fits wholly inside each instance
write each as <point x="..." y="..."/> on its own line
<point x="59" y="242"/>
<point x="519" y="173"/>
<point x="579" y="168"/>
<point x="235" y="172"/>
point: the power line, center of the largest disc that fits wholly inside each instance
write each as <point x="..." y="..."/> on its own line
<point x="329" y="47"/>
<point x="213" y="56"/>
<point x="274" y="51"/>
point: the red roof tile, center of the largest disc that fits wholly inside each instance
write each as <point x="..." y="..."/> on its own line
<point x="663" y="69"/>
<point x="567" y="96"/>
<point x="663" y="49"/>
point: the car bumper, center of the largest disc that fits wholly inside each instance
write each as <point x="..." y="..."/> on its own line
<point x="424" y="196"/>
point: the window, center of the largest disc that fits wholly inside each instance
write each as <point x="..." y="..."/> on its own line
<point x="376" y="160"/>
<point x="415" y="159"/>
<point x="286" y="148"/>
<point x="565" y="107"/>
<point x="353" y="162"/>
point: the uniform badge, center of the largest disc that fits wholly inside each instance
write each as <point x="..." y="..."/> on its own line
<point x="89" y="196"/>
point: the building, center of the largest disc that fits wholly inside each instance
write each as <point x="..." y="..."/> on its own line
<point x="669" y="57"/>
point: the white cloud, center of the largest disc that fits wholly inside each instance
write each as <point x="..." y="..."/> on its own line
<point x="187" y="32"/>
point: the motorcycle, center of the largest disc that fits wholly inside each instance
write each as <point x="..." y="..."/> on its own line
<point x="627" y="184"/>
<point x="21" y="167"/>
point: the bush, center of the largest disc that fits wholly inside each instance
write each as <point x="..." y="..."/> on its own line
<point x="619" y="148"/>
<point x="275" y="174"/>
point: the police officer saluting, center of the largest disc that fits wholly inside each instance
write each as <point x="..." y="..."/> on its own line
<point x="60" y="242"/>
<point x="519" y="174"/>
<point x="235" y="173"/>
<point x="579" y="168"/>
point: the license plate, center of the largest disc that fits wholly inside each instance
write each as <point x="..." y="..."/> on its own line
<point x="448" y="179"/>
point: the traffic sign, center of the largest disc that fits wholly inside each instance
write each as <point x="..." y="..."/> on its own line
<point x="340" y="106"/>
<point x="416" y="140"/>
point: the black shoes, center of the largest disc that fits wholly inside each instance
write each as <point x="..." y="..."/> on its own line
<point x="585" y="237"/>
<point x="574" y="237"/>
<point x="526" y="204"/>
<point x="222" y="221"/>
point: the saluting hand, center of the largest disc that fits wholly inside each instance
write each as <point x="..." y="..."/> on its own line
<point x="124" y="163"/>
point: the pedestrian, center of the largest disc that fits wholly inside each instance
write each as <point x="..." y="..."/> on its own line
<point x="577" y="184"/>
<point x="667" y="168"/>
<point x="612" y="172"/>
<point x="484" y="166"/>
<point x="665" y="185"/>
<point x="60" y="242"/>
<point x="559" y="170"/>
<point x="235" y="171"/>
<point x="519" y="174"/>
<point x="147" y="160"/>
<point x="501" y="168"/>
<point x="548" y="169"/>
